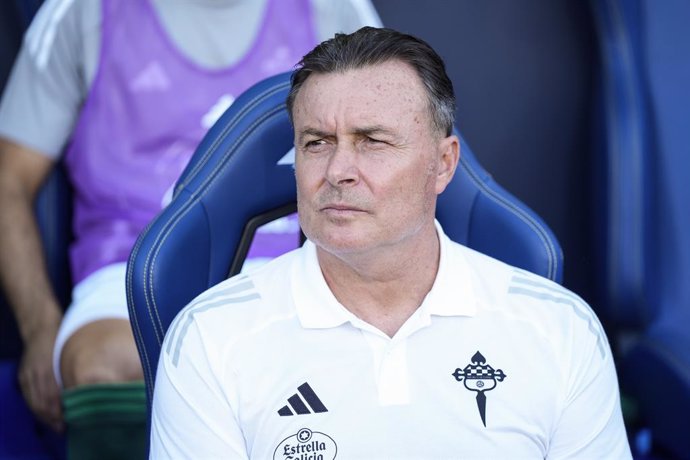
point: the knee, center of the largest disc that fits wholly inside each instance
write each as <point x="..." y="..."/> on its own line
<point x="91" y="358"/>
<point x="88" y="369"/>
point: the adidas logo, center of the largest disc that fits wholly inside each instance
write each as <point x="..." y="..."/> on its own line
<point x="304" y="401"/>
<point x="152" y="78"/>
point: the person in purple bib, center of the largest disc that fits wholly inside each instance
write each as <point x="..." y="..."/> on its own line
<point x="122" y="92"/>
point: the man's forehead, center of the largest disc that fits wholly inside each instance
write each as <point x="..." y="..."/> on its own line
<point x="393" y="72"/>
<point x="373" y="97"/>
<point x="377" y="86"/>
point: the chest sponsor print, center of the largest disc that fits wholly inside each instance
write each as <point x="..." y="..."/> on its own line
<point x="306" y="445"/>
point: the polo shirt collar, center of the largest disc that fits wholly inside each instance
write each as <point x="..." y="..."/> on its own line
<point x="452" y="293"/>
<point x="317" y="307"/>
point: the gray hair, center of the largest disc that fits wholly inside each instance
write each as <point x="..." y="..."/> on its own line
<point x="370" y="46"/>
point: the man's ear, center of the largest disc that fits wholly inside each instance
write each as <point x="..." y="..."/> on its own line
<point x="449" y="155"/>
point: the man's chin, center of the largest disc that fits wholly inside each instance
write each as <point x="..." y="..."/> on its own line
<point x="341" y="246"/>
<point x="335" y="244"/>
<point x="344" y="236"/>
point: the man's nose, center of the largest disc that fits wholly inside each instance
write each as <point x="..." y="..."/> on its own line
<point x="342" y="169"/>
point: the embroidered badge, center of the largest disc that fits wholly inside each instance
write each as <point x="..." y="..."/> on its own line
<point x="479" y="377"/>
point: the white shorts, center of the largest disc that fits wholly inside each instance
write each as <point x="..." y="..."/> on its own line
<point x="101" y="295"/>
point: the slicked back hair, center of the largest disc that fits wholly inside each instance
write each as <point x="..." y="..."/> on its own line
<point x="371" y="46"/>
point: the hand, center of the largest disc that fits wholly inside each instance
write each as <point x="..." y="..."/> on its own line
<point x="37" y="380"/>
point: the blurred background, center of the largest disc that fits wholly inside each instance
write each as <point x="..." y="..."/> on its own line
<point x="580" y="109"/>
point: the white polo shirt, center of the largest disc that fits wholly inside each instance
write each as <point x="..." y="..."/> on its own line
<point x="495" y="363"/>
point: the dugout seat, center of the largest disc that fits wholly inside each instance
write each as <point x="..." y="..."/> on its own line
<point x="644" y="216"/>
<point x="21" y="435"/>
<point x="239" y="178"/>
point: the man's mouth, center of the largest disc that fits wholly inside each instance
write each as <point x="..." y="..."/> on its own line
<point x="341" y="209"/>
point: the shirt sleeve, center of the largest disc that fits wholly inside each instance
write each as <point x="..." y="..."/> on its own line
<point x="591" y="422"/>
<point x="192" y="418"/>
<point x="46" y="87"/>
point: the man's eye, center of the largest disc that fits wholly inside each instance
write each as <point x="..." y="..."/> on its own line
<point x="372" y="140"/>
<point x="315" y="143"/>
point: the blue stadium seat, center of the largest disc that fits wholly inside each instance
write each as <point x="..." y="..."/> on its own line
<point x="644" y="215"/>
<point x="21" y="435"/>
<point x="236" y="181"/>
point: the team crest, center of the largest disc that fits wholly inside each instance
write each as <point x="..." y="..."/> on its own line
<point x="306" y="445"/>
<point x="480" y="378"/>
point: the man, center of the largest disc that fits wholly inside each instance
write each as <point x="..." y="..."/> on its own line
<point x="122" y="91"/>
<point x="381" y="338"/>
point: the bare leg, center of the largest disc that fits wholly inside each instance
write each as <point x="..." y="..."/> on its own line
<point x="104" y="399"/>
<point x="100" y="352"/>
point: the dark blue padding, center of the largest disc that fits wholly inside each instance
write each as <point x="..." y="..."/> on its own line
<point x="25" y="437"/>
<point x="646" y="65"/>
<point x="53" y="212"/>
<point x="656" y="372"/>
<point x="622" y="164"/>
<point x="21" y="436"/>
<point x="234" y="176"/>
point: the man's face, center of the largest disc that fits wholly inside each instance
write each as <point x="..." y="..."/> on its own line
<point x="369" y="163"/>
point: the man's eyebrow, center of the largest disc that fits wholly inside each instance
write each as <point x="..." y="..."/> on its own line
<point x="370" y="130"/>
<point x="362" y="131"/>
<point x="311" y="132"/>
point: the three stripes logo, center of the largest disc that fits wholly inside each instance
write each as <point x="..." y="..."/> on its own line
<point x="303" y="402"/>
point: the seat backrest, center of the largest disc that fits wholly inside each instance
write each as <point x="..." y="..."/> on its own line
<point x="53" y="212"/>
<point x="24" y="437"/>
<point x="21" y="436"/>
<point x="239" y="173"/>
<point x="644" y="158"/>
<point x="645" y="220"/>
<point x="622" y="168"/>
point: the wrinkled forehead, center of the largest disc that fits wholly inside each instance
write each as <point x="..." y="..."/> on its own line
<point x="389" y="72"/>
<point x="388" y="89"/>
